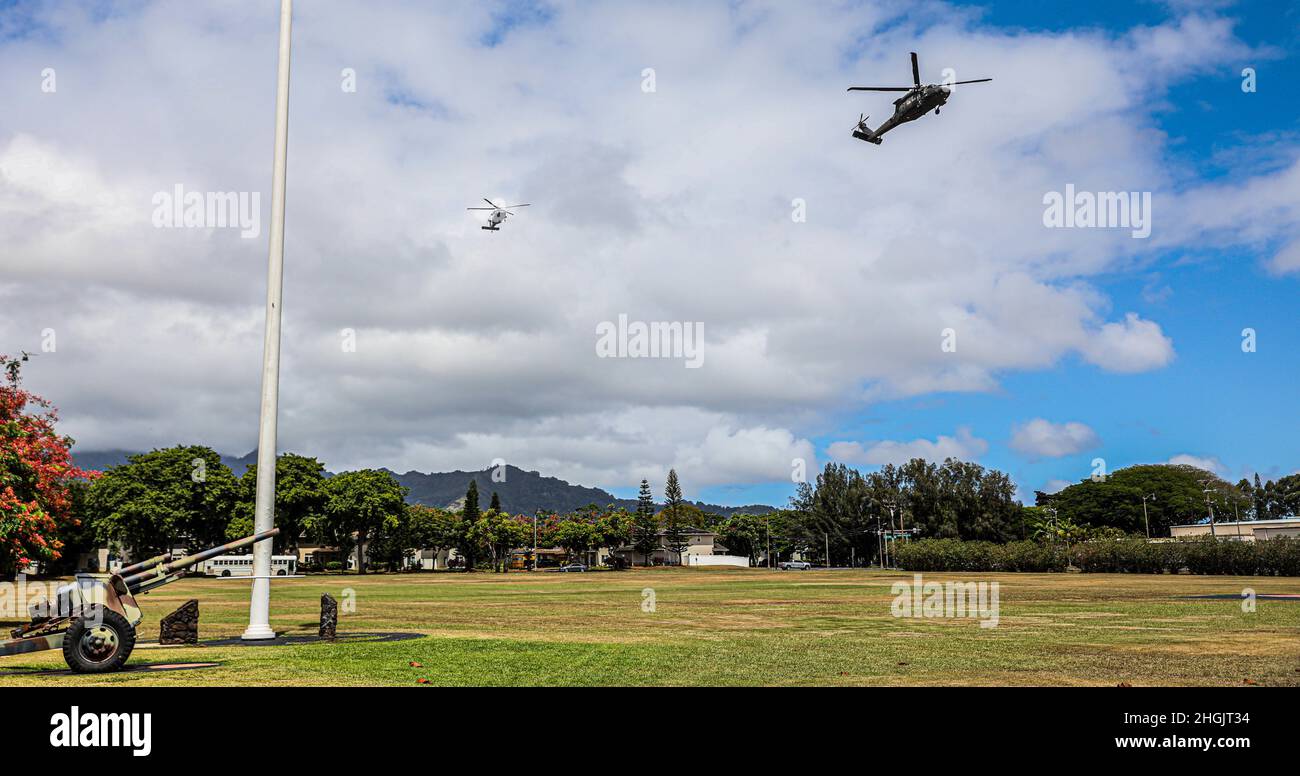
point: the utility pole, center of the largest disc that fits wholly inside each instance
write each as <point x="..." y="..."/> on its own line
<point x="880" y="543"/>
<point x="767" y="521"/>
<point x="891" y="505"/>
<point x="535" y="543"/>
<point x="259" y="607"/>
<point x="1145" y="518"/>
<point x="1210" y="505"/>
<point x="828" y="549"/>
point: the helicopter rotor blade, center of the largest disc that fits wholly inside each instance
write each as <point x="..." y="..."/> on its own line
<point x="977" y="81"/>
<point x="916" y="69"/>
<point x="490" y="202"/>
<point x="880" y="88"/>
<point x="512" y="207"/>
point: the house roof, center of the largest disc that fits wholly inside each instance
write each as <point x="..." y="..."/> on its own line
<point x="1286" y="522"/>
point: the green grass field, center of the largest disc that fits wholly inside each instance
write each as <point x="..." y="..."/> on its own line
<point x="733" y="627"/>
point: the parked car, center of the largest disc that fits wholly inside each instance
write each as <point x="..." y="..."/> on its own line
<point x="573" y="568"/>
<point x="795" y="565"/>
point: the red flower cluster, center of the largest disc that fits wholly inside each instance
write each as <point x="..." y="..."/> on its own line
<point x="36" y="471"/>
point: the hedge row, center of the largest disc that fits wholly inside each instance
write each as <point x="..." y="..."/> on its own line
<point x="956" y="555"/>
<point x="1276" y="557"/>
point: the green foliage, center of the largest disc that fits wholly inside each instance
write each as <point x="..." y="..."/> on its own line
<point x="162" y="498"/>
<point x="956" y="555"/>
<point x="960" y="500"/>
<point x="78" y="535"/>
<point x="1272" y="500"/>
<point x="744" y="535"/>
<point x="788" y="535"/>
<point x="675" y="517"/>
<point x="575" y="536"/>
<point x="1204" y="555"/>
<point x="36" y="476"/>
<point x="419" y="528"/>
<point x="1045" y="524"/>
<point x="359" y="504"/>
<point x="614" y="528"/>
<point x="471" y="511"/>
<point x="299" y="498"/>
<point x="1180" y="499"/>
<point x="645" y="527"/>
<point x="499" y="533"/>
<point x="849" y="511"/>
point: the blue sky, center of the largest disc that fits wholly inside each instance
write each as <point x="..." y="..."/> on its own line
<point x="1213" y="401"/>
<point x="673" y="204"/>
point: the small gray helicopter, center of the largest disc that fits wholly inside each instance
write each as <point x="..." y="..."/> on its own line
<point x="499" y="214"/>
<point x="918" y="101"/>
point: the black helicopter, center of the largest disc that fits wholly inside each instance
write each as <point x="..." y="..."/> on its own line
<point x="918" y="101"/>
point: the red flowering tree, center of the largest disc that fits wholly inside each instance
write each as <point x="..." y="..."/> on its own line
<point x="36" y="476"/>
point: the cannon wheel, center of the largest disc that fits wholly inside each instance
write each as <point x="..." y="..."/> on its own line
<point x="98" y="643"/>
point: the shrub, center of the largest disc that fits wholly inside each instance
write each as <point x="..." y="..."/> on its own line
<point x="956" y="555"/>
<point x="1204" y="555"/>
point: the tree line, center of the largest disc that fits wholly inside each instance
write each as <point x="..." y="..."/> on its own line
<point x="185" y="496"/>
<point x="50" y="510"/>
<point x="848" y="512"/>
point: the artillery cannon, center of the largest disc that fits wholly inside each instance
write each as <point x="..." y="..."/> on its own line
<point x="93" y="618"/>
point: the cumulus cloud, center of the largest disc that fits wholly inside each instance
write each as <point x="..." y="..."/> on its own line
<point x="963" y="445"/>
<point x="1041" y="438"/>
<point x="1287" y="260"/>
<point x="671" y="205"/>
<point x="1056" y="486"/>
<point x="1135" y="345"/>
<point x="1212" y="465"/>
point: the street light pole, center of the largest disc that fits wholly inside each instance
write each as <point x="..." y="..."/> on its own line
<point x="1210" y="504"/>
<point x="880" y="543"/>
<point x="1145" y="518"/>
<point x="767" y="521"/>
<point x="259" y="608"/>
<point x="893" y="536"/>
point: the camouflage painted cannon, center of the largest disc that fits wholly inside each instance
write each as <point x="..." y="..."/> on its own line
<point x="93" y="618"/>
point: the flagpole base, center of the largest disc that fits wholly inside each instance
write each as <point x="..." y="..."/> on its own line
<point x="258" y="633"/>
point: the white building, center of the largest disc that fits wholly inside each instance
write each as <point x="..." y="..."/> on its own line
<point x="1241" y="531"/>
<point x="699" y="543"/>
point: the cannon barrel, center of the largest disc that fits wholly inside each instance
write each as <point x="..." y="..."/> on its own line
<point x="166" y="569"/>
<point x="143" y="565"/>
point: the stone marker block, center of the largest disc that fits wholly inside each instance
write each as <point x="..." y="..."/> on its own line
<point x="181" y="626"/>
<point x="329" y="617"/>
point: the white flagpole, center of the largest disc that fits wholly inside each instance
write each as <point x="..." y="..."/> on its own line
<point x="259" y="608"/>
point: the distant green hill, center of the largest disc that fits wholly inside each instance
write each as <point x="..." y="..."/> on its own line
<point x="522" y="492"/>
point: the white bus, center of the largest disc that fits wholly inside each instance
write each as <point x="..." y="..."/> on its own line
<point x="242" y="566"/>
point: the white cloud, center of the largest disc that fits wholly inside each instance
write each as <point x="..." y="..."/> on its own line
<point x="1056" y="486"/>
<point x="671" y="206"/>
<point x="1287" y="260"/>
<point x="963" y="445"/>
<point x="1213" y="465"/>
<point x="1132" y="346"/>
<point x="1041" y="438"/>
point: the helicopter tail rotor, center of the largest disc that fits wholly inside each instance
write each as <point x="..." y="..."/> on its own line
<point x="863" y="132"/>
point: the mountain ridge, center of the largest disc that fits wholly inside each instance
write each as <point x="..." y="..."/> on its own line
<point x="521" y="492"/>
